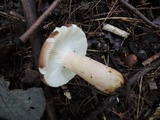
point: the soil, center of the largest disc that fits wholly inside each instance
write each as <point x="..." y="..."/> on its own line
<point x="136" y="56"/>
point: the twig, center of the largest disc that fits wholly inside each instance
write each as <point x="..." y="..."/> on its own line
<point x="35" y="40"/>
<point x="106" y="104"/>
<point x="31" y="16"/>
<point x="139" y="99"/>
<point x="27" y="34"/>
<point x="114" y="62"/>
<point x="16" y="15"/>
<point x="119" y="11"/>
<point x="151" y="59"/>
<point x="109" y="14"/>
<point x="135" y="11"/>
<point x="142" y="72"/>
<point x="115" y="30"/>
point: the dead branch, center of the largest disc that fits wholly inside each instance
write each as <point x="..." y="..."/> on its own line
<point x="143" y="71"/>
<point x="139" y="14"/>
<point x="28" y="33"/>
<point x="121" y="11"/>
<point x="35" y="39"/>
<point x="151" y="59"/>
<point x="108" y="103"/>
<point x="31" y="16"/>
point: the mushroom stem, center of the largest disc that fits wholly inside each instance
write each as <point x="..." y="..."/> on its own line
<point x="97" y="74"/>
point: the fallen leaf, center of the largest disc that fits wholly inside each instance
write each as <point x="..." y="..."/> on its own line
<point x="21" y="104"/>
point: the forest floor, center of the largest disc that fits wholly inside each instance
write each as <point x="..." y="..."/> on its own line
<point x="136" y="56"/>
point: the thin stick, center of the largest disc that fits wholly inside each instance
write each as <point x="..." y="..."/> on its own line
<point x="120" y="11"/>
<point x="30" y="14"/>
<point x="28" y="33"/>
<point x="143" y="71"/>
<point x="135" y="11"/>
<point x="139" y="97"/>
<point x="108" y="103"/>
<point x="151" y="59"/>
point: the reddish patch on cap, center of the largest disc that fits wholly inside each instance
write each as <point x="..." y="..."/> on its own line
<point x="43" y="57"/>
<point x="68" y="25"/>
<point x="45" y="50"/>
<point x="53" y="34"/>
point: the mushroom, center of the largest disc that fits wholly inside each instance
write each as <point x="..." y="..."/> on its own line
<point x="62" y="56"/>
<point x="130" y="60"/>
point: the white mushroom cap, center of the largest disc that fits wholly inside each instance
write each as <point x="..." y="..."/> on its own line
<point x="61" y="41"/>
